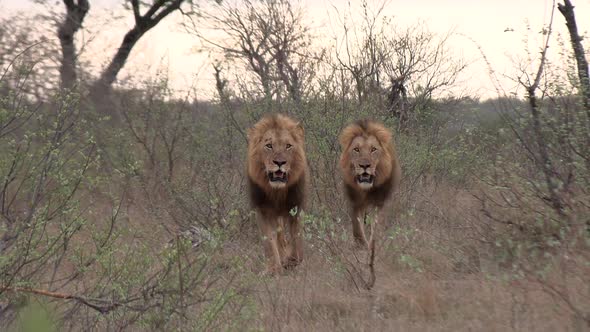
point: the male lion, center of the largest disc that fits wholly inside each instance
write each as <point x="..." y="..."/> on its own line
<point x="276" y="174"/>
<point x="371" y="173"/>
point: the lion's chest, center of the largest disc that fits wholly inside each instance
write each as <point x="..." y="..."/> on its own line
<point x="280" y="202"/>
<point x="375" y="197"/>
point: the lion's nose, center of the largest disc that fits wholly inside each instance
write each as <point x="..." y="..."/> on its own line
<point x="279" y="162"/>
<point x="365" y="166"/>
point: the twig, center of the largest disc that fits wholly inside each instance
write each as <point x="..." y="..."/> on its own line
<point x="371" y="282"/>
<point x="104" y="308"/>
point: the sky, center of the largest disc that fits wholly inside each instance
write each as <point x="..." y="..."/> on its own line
<point x="474" y="23"/>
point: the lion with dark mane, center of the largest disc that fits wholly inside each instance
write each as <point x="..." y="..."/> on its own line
<point x="371" y="173"/>
<point x="276" y="172"/>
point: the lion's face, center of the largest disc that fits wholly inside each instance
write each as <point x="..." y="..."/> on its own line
<point x="364" y="154"/>
<point x="276" y="152"/>
<point x="366" y="159"/>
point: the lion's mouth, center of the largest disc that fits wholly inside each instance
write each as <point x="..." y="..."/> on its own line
<point x="365" y="178"/>
<point x="277" y="177"/>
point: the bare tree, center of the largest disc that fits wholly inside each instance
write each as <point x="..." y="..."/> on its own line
<point x="558" y="139"/>
<point x="73" y="20"/>
<point x="567" y="10"/>
<point x="362" y="53"/>
<point x="421" y="65"/>
<point x="75" y="13"/>
<point x="143" y="23"/>
<point x="410" y="65"/>
<point x="546" y="174"/>
<point x="269" y="36"/>
<point x="542" y="157"/>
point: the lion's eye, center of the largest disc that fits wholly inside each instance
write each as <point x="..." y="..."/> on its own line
<point x="356" y="150"/>
<point x="373" y="149"/>
<point x="268" y="146"/>
<point x="289" y="146"/>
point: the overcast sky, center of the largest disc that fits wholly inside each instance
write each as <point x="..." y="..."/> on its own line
<point x="483" y="21"/>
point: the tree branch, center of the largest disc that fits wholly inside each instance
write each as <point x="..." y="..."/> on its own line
<point x="142" y="25"/>
<point x="543" y="159"/>
<point x="136" y="14"/>
<point x="101" y="305"/>
<point x="75" y="14"/>
<point x="567" y="10"/>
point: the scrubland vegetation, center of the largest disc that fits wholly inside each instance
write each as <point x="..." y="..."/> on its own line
<point x="125" y="206"/>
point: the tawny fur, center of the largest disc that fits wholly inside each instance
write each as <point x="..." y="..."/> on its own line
<point x="385" y="169"/>
<point x="278" y="206"/>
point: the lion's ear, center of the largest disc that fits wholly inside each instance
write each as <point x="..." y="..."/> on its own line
<point x="384" y="136"/>
<point x="346" y="137"/>
<point x="300" y="130"/>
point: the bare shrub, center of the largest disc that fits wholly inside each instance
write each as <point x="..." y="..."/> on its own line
<point x="535" y="194"/>
<point x="66" y="234"/>
<point x="401" y="69"/>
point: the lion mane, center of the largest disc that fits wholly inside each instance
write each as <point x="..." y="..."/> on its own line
<point x="370" y="170"/>
<point x="277" y="169"/>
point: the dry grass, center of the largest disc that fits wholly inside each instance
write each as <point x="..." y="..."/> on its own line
<point x="319" y="297"/>
<point x="448" y="282"/>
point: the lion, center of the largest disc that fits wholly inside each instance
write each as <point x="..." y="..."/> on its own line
<point x="371" y="173"/>
<point x="276" y="171"/>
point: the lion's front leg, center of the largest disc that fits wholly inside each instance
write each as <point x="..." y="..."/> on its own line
<point x="284" y="253"/>
<point x="377" y="220"/>
<point x="374" y="224"/>
<point x="358" y="228"/>
<point x="296" y="252"/>
<point x="268" y="227"/>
